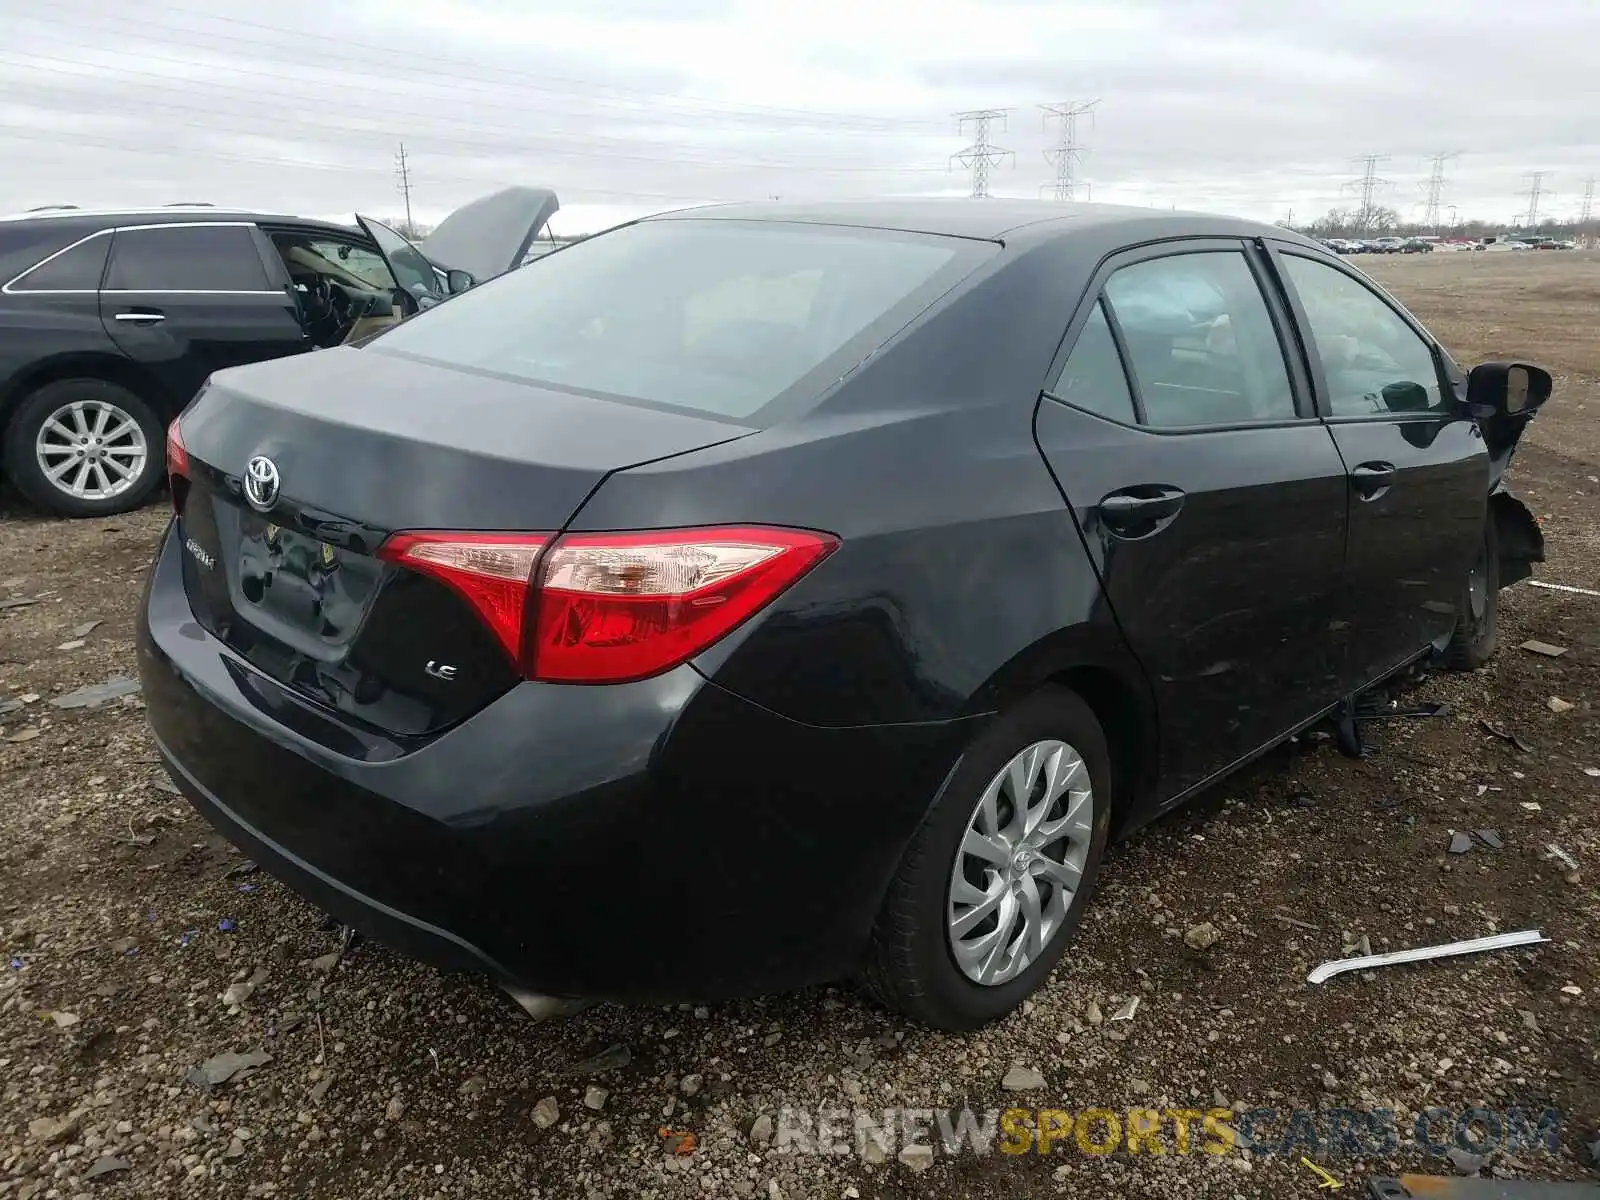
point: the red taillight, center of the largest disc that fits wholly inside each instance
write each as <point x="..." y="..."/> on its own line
<point x="612" y="607"/>
<point x="177" y="466"/>
<point x="620" y="606"/>
<point x="490" y="571"/>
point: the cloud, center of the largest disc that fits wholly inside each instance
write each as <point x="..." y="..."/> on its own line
<point x="633" y="105"/>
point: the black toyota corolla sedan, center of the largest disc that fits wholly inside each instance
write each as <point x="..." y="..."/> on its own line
<point x="753" y="596"/>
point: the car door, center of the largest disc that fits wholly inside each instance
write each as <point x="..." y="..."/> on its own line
<point x="1417" y="466"/>
<point x="187" y="299"/>
<point x="1209" y="498"/>
<point x="414" y="273"/>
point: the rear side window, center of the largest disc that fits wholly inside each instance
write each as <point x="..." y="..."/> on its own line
<point x="75" y="269"/>
<point x="1375" y="363"/>
<point x="1092" y="377"/>
<point x="1200" y="340"/>
<point x="186" y="258"/>
<point x="716" y="317"/>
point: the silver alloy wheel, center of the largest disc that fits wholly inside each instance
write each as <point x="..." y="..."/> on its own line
<point x="91" y="449"/>
<point x="1020" y="862"/>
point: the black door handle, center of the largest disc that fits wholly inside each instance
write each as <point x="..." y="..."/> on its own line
<point x="1370" y="478"/>
<point x="1124" y="510"/>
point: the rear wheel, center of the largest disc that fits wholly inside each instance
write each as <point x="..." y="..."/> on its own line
<point x="1478" y="609"/>
<point x="995" y="880"/>
<point x="85" y="448"/>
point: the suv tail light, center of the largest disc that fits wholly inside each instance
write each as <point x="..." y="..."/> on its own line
<point x="177" y="467"/>
<point x="613" y="607"/>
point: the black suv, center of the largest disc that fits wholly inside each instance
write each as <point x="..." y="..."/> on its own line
<point x="110" y="321"/>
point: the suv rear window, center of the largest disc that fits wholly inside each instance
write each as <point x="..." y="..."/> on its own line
<point x="713" y="316"/>
<point x="75" y="269"/>
<point x="27" y="241"/>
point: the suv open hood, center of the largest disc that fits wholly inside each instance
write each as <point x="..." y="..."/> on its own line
<point x="492" y="234"/>
<point x="484" y="238"/>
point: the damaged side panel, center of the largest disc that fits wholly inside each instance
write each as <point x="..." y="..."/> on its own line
<point x="1520" y="539"/>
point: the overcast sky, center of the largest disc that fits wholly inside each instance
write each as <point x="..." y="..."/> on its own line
<point x="1256" y="107"/>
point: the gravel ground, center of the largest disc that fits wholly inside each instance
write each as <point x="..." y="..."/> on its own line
<point x="136" y="945"/>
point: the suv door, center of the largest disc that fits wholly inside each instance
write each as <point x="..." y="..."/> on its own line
<point x="1418" y="470"/>
<point x="187" y="299"/>
<point x="1210" y="499"/>
<point x="414" y="273"/>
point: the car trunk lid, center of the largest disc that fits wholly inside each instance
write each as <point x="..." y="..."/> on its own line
<point x="300" y="468"/>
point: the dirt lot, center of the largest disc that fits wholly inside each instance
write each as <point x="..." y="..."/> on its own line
<point x="123" y="921"/>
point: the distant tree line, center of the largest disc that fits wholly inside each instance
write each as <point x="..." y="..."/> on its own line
<point x="1385" y="222"/>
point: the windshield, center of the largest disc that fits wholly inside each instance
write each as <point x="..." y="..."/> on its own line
<point x="714" y="316"/>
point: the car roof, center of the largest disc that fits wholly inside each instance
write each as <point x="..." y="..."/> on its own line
<point x="991" y="219"/>
<point x="87" y="220"/>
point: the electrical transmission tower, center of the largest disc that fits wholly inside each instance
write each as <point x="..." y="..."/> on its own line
<point x="1535" y="193"/>
<point x="1066" y="153"/>
<point x="1586" y="208"/>
<point x="982" y="154"/>
<point x="402" y="175"/>
<point x="1369" y="182"/>
<point x="1435" y="190"/>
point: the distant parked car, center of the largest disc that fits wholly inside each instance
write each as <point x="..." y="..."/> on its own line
<point x="110" y="321"/>
<point x="1389" y="245"/>
<point x="1416" y="246"/>
<point x="750" y="597"/>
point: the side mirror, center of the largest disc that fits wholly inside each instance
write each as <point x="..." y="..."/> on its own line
<point x="1502" y="389"/>
<point x="458" y="281"/>
<point x="1405" y="396"/>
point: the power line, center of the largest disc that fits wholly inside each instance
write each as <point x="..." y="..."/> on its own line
<point x="982" y="154"/>
<point x="1066" y="153"/>
<point x="460" y="74"/>
<point x="1535" y="193"/>
<point x="505" y="138"/>
<point x="190" y="154"/>
<point x="1368" y="182"/>
<point x="502" y="142"/>
<point x="1435" y="189"/>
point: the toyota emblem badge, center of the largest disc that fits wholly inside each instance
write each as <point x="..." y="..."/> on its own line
<point x="261" y="483"/>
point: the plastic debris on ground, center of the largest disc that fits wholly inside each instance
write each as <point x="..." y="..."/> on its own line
<point x="1544" y="649"/>
<point x="1562" y="857"/>
<point x="221" y="1068"/>
<point x="96" y="694"/>
<point x="1504" y="736"/>
<point x="1498" y="941"/>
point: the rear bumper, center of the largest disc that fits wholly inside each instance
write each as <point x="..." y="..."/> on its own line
<point x="655" y="841"/>
<point x="400" y="931"/>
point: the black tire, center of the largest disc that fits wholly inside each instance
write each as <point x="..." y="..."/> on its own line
<point x="1478" y="610"/>
<point x="25" y="470"/>
<point x="910" y="966"/>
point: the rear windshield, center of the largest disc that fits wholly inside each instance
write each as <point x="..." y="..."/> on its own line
<point x="717" y="317"/>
